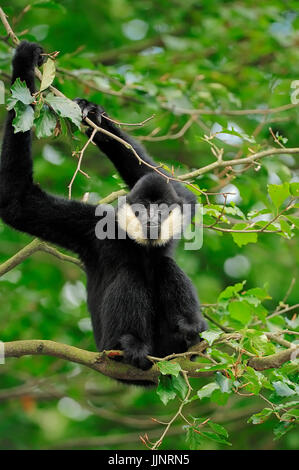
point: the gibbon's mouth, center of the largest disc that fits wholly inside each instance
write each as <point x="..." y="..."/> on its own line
<point x="151" y="225"/>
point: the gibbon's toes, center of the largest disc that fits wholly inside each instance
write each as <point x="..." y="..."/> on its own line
<point x="90" y="110"/>
<point x="137" y="359"/>
<point x="29" y="54"/>
<point x="135" y="352"/>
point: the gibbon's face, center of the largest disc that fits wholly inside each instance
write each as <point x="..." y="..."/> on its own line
<point x="152" y="214"/>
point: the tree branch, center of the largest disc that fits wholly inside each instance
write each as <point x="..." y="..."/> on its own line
<point x="274" y="361"/>
<point x="102" y="361"/>
<point x="33" y="247"/>
<point x="240" y="161"/>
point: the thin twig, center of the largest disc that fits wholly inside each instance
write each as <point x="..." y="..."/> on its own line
<point x="80" y="155"/>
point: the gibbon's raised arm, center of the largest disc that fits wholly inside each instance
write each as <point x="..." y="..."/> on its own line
<point x="123" y="159"/>
<point x="23" y="204"/>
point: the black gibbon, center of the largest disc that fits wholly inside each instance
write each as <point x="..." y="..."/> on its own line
<point x="140" y="301"/>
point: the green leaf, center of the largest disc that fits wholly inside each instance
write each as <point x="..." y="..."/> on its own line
<point x="245" y="237"/>
<point x="210" y="336"/>
<point x="234" y="211"/>
<point x="223" y="357"/>
<point x="294" y="189"/>
<point x="165" y="389"/>
<point x="224" y="383"/>
<point x="261" y="312"/>
<point x="278" y="193"/>
<point x="251" y="299"/>
<point x="258" y="343"/>
<point x="291" y="414"/>
<point x="207" y="390"/>
<point x="215" y="437"/>
<point x="254" y="380"/>
<point x="20" y="92"/>
<point x="23" y="120"/>
<point x="285" y="227"/>
<point x="293" y="220"/>
<point x="169" y="368"/>
<point x="260" y="417"/>
<point x="258" y="292"/>
<point x="193" y="439"/>
<point x="231" y="291"/>
<point x="65" y="108"/>
<point x="180" y="386"/>
<point x="11" y="102"/>
<point x="282" y="429"/>
<point x="282" y="389"/>
<point x="240" y="311"/>
<point x="45" y="123"/>
<point x="49" y="71"/>
<point x="218" y="429"/>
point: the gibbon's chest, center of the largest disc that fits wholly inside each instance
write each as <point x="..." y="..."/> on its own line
<point x="145" y="262"/>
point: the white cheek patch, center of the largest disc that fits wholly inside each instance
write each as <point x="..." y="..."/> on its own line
<point x="171" y="227"/>
<point x="128" y="221"/>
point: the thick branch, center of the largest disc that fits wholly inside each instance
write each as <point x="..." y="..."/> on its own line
<point x="273" y="361"/>
<point x="100" y="362"/>
<point x="103" y="363"/>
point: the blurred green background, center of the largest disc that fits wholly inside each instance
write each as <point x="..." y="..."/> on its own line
<point x="137" y="59"/>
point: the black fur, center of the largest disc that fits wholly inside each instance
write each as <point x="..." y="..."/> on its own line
<point x="139" y="299"/>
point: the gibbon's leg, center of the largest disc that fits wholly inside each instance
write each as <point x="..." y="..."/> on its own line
<point x="123" y="159"/>
<point x="183" y="321"/>
<point x="23" y="205"/>
<point x="125" y="318"/>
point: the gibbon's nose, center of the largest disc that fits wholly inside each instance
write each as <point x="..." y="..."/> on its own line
<point x="153" y="225"/>
<point x="154" y="220"/>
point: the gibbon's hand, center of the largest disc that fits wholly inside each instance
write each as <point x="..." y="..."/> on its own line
<point x="28" y="55"/>
<point x="90" y="110"/>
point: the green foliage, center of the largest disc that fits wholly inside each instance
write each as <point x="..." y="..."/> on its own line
<point x="45" y="123"/>
<point x="24" y="117"/>
<point x="165" y="389"/>
<point x="64" y="107"/>
<point x="216" y="56"/>
<point x="20" y="92"/>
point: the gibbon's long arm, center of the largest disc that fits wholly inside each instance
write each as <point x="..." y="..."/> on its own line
<point x="23" y="205"/>
<point x="123" y="159"/>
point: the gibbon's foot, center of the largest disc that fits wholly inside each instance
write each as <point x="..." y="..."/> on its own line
<point x="189" y="332"/>
<point x="90" y="110"/>
<point x="28" y="55"/>
<point x="135" y="352"/>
